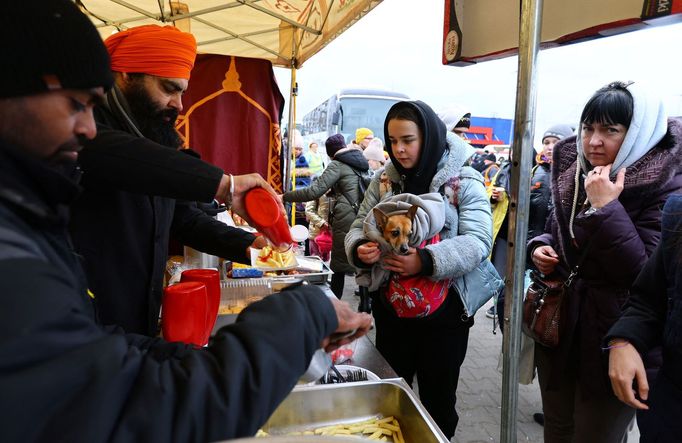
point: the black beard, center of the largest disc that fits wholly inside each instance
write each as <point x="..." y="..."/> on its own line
<point x="150" y="118"/>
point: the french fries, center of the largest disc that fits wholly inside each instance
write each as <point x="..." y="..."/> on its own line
<point x="271" y="258"/>
<point x="378" y="429"/>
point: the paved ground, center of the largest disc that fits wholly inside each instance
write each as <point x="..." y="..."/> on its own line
<point x="480" y="387"/>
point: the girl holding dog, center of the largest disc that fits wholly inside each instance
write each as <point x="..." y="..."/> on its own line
<point x="425" y="158"/>
<point x="608" y="187"/>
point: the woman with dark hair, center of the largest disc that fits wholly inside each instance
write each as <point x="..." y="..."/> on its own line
<point x="608" y="187"/>
<point x="425" y="158"/>
<point x="653" y="317"/>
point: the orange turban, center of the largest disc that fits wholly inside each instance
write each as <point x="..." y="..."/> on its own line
<point x="163" y="51"/>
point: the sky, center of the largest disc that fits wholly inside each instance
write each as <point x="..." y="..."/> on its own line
<point x="398" y="46"/>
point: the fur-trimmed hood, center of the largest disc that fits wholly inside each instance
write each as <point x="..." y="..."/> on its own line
<point x="352" y="157"/>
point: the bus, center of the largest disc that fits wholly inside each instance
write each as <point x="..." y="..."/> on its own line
<point x="347" y="111"/>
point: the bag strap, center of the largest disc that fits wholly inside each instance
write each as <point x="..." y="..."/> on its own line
<point x="581" y="260"/>
<point x="354" y="204"/>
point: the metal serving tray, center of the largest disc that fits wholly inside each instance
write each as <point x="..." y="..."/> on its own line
<point x="310" y="407"/>
<point x="319" y="273"/>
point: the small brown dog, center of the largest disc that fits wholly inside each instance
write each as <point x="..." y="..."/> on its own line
<point x="396" y="229"/>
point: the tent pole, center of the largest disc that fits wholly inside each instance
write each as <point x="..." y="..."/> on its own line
<point x="290" y="139"/>
<point x="290" y="128"/>
<point x="522" y="150"/>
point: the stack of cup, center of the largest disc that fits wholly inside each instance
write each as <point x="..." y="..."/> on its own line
<point x="190" y="308"/>
<point x="183" y="313"/>
<point x="210" y="278"/>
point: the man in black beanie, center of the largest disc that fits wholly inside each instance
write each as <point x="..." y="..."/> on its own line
<point x="65" y="378"/>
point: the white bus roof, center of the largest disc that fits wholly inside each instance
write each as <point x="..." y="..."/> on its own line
<point x="367" y="92"/>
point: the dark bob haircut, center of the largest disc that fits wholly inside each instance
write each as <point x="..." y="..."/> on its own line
<point x="611" y="105"/>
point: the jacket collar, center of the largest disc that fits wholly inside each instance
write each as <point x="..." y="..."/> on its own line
<point x="34" y="187"/>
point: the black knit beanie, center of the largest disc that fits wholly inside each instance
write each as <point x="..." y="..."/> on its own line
<point x="47" y="45"/>
<point x="334" y="144"/>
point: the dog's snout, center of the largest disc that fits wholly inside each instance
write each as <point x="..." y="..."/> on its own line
<point x="403" y="249"/>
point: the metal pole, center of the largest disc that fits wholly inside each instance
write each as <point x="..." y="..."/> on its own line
<point x="522" y="151"/>
<point x="290" y="129"/>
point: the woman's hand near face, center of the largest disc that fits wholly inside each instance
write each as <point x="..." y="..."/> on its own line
<point x="545" y="259"/>
<point x="369" y="253"/>
<point x="405" y="265"/>
<point x="600" y="190"/>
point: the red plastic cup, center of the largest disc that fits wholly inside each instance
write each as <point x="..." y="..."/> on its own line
<point x="211" y="278"/>
<point x="267" y="218"/>
<point x="183" y="313"/>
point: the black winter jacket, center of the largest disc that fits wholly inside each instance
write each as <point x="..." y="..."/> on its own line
<point x="653" y="314"/>
<point x="64" y="378"/>
<point x="540" y="199"/>
<point x="122" y="221"/>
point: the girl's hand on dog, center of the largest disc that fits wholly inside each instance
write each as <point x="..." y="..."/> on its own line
<point x="404" y="265"/>
<point x="369" y="253"/>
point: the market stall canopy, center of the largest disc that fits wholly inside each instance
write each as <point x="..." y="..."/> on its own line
<point x="276" y="30"/>
<point x="481" y="30"/>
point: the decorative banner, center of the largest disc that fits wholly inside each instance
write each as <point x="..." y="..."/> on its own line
<point x="480" y="30"/>
<point x="232" y="111"/>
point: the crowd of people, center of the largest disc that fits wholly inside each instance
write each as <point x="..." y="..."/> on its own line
<point x="94" y="182"/>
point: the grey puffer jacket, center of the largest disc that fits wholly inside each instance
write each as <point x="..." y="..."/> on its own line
<point x="343" y="175"/>
<point x="466" y="238"/>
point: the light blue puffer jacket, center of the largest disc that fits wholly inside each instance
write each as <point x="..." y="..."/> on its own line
<point x="466" y="238"/>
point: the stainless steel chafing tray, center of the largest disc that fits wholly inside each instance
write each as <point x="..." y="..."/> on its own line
<point x="312" y="269"/>
<point x="237" y="293"/>
<point x="311" y="407"/>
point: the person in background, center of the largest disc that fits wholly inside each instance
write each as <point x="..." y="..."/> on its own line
<point x="425" y="157"/>
<point x="317" y="213"/>
<point x="138" y="190"/>
<point x="375" y="155"/>
<point x="491" y="168"/>
<point x="362" y="138"/>
<point x="653" y="317"/>
<point x="302" y="173"/>
<point x="608" y="187"/>
<point x="345" y="178"/>
<point x="65" y="377"/>
<point x="301" y="170"/>
<point x="499" y="190"/>
<point x="315" y="160"/>
<point x="540" y="193"/>
<point x="301" y="166"/>
<point x="457" y="120"/>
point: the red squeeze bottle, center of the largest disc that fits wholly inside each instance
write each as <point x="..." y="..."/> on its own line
<point x="267" y="218"/>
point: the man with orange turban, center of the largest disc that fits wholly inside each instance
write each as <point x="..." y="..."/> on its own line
<point x="139" y="189"/>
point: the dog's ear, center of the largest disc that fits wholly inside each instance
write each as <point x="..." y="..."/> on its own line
<point x="411" y="212"/>
<point x="380" y="218"/>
